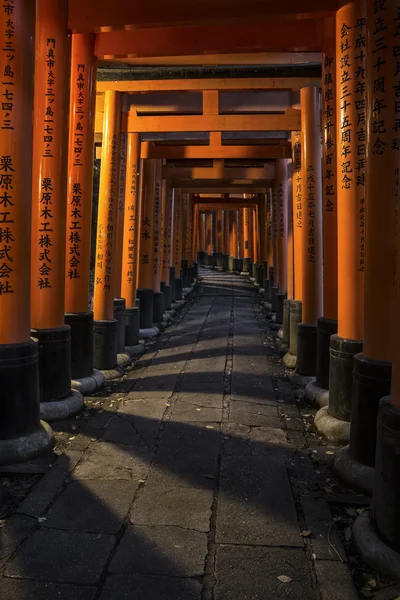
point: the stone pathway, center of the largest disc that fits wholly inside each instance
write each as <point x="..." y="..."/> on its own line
<point x="188" y="483"/>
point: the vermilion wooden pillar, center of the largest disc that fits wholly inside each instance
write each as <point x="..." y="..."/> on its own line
<point x="209" y="236"/>
<point x="241" y="237"/>
<point x="79" y="205"/>
<point x="225" y="258"/>
<point x="290" y="259"/>
<point x="177" y="247"/>
<point x="220" y="238"/>
<point x="312" y="305"/>
<point x="215" y="237"/>
<point x="105" y="326"/>
<point x="49" y="201"/>
<point x="22" y="435"/>
<point x="158" y="297"/>
<point x="246" y="237"/>
<point x="202" y="238"/>
<point x="130" y="244"/>
<point x="382" y="191"/>
<point x="351" y="148"/>
<point x="185" y="218"/>
<point x="233" y="240"/>
<point x="195" y="238"/>
<point x="167" y="242"/>
<point x="146" y="246"/>
<point x="269" y="265"/>
<point x="282" y="200"/>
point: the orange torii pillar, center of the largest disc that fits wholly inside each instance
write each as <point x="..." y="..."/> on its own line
<point x="190" y="223"/>
<point x="246" y="236"/>
<point x="240" y="239"/>
<point x="202" y="239"/>
<point x="184" y="240"/>
<point x="158" y="296"/>
<point x="317" y="391"/>
<point x="49" y="185"/>
<point x="282" y="201"/>
<point x="275" y="246"/>
<point x="256" y="243"/>
<point x="372" y="367"/>
<point x="22" y="435"/>
<point x="105" y="325"/>
<point x="130" y="245"/>
<point x="225" y="256"/>
<point x="214" y="238"/>
<point x="195" y="241"/>
<point x="269" y="264"/>
<point x="233" y="240"/>
<point x="220" y="239"/>
<point x="381" y="529"/>
<point x="166" y="220"/>
<point x="209" y="238"/>
<point x="145" y="291"/>
<point x="351" y="125"/>
<point x="312" y="306"/>
<point x="79" y="211"/>
<point x="263" y="240"/>
<point x="290" y="261"/>
<point x="295" y="305"/>
<point x="177" y="245"/>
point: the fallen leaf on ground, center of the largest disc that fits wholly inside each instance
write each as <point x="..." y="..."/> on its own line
<point x="284" y="579"/>
<point x="209" y="476"/>
<point x="41" y="519"/>
<point x="306" y="533"/>
<point x="209" y="426"/>
<point x="329" y="452"/>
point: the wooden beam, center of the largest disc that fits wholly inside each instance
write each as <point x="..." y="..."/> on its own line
<point x="274" y="36"/>
<point x="270" y="151"/>
<point x="220" y="186"/>
<point x="198" y="85"/>
<point x="219" y="172"/>
<point x="289" y="121"/>
<point x="226" y="205"/>
<point x="103" y="15"/>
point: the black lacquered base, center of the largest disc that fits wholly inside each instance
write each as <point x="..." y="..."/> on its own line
<point x="306" y="349"/>
<point x="342" y="352"/>
<point x="158" y="307"/>
<point x="286" y="322"/>
<point x="325" y="329"/>
<point x="81" y="325"/>
<point x="105" y="339"/>
<point x="280" y="298"/>
<point x="54" y="362"/>
<point x="132" y="325"/>
<point x="145" y="296"/>
<point x="119" y="316"/>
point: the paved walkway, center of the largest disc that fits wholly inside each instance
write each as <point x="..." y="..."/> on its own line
<point x="187" y="484"/>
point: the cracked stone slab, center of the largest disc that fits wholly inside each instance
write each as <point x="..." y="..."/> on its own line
<point x="184" y="507"/>
<point x="26" y="589"/>
<point x="334" y="581"/>
<point x="151" y="587"/>
<point x="125" y="431"/>
<point x="15" y="530"/>
<point x="255" y="504"/>
<point x="62" y="556"/>
<point x="142" y="408"/>
<point x="251" y="573"/>
<point x="97" y="506"/>
<point x="160" y="550"/>
<point x="264" y="440"/>
<point x="254" y="415"/>
<point x="186" y="413"/>
<point x="237" y="439"/>
<point x="109" y="461"/>
<point x="192" y="468"/>
<point x="201" y="399"/>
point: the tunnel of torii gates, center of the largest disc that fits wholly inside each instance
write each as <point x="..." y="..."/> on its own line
<point x="309" y="215"/>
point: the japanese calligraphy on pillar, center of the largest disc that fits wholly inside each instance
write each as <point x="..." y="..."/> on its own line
<point x="329" y="131"/>
<point x="131" y="217"/>
<point x="177" y="231"/>
<point x="157" y="228"/>
<point x="281" y="207"/>
<point x="246" y="227"/>
<point x="296" y="157"/>
<point x="167" y="235"/>
<point x="310" y="192"/>
<point x="352" y="126"/>
<point x="8" y="173"/>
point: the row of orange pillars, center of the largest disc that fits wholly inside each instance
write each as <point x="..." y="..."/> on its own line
<point x="332" y="267"/>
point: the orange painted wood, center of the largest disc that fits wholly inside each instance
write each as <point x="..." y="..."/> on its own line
<point x="209" y="237"/>
<point x="146" y="244"/>
<point x="233" y="233"/>
<point x="350" y="104"/>
<point x="202" y="232"/>
<point x="290" y="255"/>
<point x="241" y="232"/>
<point x="312" y="301"/>
<point x="382" y="182"/>
<point x="178" y="232"/>
<point x="220" y="231"/>
<point x="120" y="213"/>
<point x="104" y="281"/>
<point x="226" y="232"/>
<point x="215" y="232"/>
<point x="151" y="150"/>
<point x="195" y="232"/>
<point x="282" y="201"/>
<point x="49" y="167"/>
<point x="297" y="213"/>
<point x="256" y="235"/>
<point x="16" y="88"/>
<point x="131" y="232"/>
<point x="270" y="252"/>
<point x="329" y="171"/>
<point x="167" y="234"/>
<point x="80" y="172"/>
<point x="157" y="228"/>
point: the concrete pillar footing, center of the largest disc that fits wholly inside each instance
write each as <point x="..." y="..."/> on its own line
<point x="111" y="374"/>
<point x="300" y="380"/>
<point x="149" y="332"/>
<point x="289" y="360"/>
<point x="335" y="430"/>
<point x="373" y="550"/>
<point x="58" y="410"/>
<point x="353" y="474"/>
<point x="124" y="358"/>
<point x="316" y="395"/>
<point x="26" y="447"/>
<point x="135" y="351"/>
<point x="90" y="384"/>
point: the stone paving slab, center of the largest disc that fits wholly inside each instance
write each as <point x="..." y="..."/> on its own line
<point x="110" y="461"/>
<point x="150" y="587"/>
<point x="23" y="589"/>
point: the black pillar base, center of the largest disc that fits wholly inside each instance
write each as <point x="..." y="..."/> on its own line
<point x="172" y="283"/>
<point x="286" y="322"/>
<point x="306" y="349"/>
<point x="208" y="260"/>
<point x="280" y="298"/>
<point x="225" y="262"/>
<point x="325" y="329"/>
<point x="200" y="257"/>
<point x="178" y="289"/>
<point x="158" y="307"/>
<point x="119" y="316"/>
<point x="185" y="274"/>
<point x="214" y="258"/>
<point x="145" y="296"/>
<point x="54" y="362"/>
<point x="219" y="260"/>
<point x="274" y="293"/>
<point x="260" y="275"/>
<point x="231" y="263"/>
<point x="371" y="382"/>
<point x="342" y="352"/>
<point x="386" y="504"/>
<point x="246" y="265"/>
<point x="81" y="325"/>
<point x="166" y="290"/>
<point x="295" y="317"/>
<point x="254" y="271"/>
<point x="105" y="338"/>
<point x="132" y="321"/>
<point x="240" y="265"/>
<point x="271" y="283"/>
<point x="22" y="435"/>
